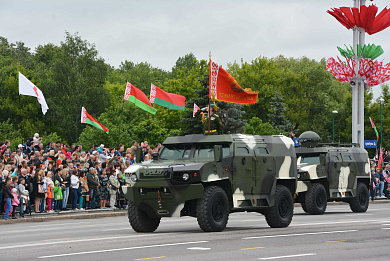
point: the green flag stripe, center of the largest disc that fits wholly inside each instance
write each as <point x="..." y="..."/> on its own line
<point x="168" y="104"/>
<point x="95" y="124"/>
<point x="142" y="105"/>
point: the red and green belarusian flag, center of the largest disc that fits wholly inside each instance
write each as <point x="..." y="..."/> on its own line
<point x="88" y="119"/>
<point x="169" y="100"/>
<point x="136" y="96"/>
<point x="373" y="126"/>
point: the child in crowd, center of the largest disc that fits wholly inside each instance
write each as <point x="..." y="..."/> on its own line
<point x="50" y="191"/>
<point x="57" y="196"/>
<point x="23" y="196"/>
<point x="14" y="202"/>
<point x="84" y="190"/>
<point x="7" y="195"/>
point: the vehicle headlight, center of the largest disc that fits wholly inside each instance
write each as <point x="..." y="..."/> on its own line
<point x="298" y="176"/>
<point x="133" y="178"/>
<point x="186" y="176"/>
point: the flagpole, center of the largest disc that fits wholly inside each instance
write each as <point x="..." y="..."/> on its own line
<point x="208" y="106"/>
<point x="120" y="121"/>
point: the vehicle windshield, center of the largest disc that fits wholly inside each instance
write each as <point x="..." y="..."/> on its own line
<point x="311" y="159"/>
<point x="175" y="152"/>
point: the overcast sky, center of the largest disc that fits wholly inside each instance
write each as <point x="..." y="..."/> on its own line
<point x="159" y="32"/>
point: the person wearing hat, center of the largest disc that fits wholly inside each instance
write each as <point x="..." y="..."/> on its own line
<point x="215" y="122"/>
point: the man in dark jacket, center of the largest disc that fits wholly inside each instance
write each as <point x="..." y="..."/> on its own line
<point x="93" y="184"/>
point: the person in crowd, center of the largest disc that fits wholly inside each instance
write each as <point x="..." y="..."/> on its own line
<point x="93" y="184"/>
<point x="50" y="191"/>
<point x="104" y="189"/>
<point x="65" y="190"/>
<point x="121" y="148"/>
<point x="14" y="202"/>
<point x="57" y="196"/>
<point x="74" y="184"/>
<point x="85" y="189"/>
<point x="38" y="191"/>
<point x="114" y="185"/>
<point x="7" y="195"/>
<point x="381" y="182"/>
<point x="23" y="195"/>
<point x="120" y="195"/>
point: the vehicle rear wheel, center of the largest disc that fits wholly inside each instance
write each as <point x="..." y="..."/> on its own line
<point x="140" y="221"/>
<point x="303" y="204"/>
<point x="362" y="199"/>
<point x="316" y="199"/>
<point x="280" y="215"/>
<point x="212" y="210"/>
<point x="302" y="196"/>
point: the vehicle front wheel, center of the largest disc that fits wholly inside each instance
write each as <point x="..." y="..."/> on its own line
<point x="280" y="215"/>
<point x="316" y="199"/>
<point x="362" y="199"/>
<point x="140" y="221"/>
<point x="212" y="210"/>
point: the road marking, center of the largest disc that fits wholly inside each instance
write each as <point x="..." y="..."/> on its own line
<point x="354" y="215"/>
<point x="121" y="249"/>
<point x="251" y="248"/>
<point x="303" y="234"/>
<point x="339" y="222"/>
<point x="337" y="241"/>
<point x="199" y="248"/>
<point x="116" y="229"/>
<point x="147" y="258"/>
<point x="385" y="228"/>
<point x="56" y="239"/>
<point x="70" y="223"/>
<point x="278" y="257"/>
<point x="77" y="240"/>
<point x="42" y="229"/>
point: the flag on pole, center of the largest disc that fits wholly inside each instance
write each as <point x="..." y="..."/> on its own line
<point x="28" y="88"/>
<point x="373" y="126"/>
<point x="136" y="96"/>
<point x="196" y="108"/>
<point x="169" y="100"/>
<point x="223" y="87"/>
<point x="88" y="119"/>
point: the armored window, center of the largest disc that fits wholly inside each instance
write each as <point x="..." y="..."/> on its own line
<point x="311" y="160"/>
<point x="242" y="151"/>
<point x="347" y="158"/>
<point x="334" y="158"/>
<point x="175" y="152"/>
<point x="262" y="151"/>
<point x="207" y="151"/>
<point x="225" y="150"/>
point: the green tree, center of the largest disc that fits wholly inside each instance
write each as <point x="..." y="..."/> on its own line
<point x="256" y="126"/>
<point x="277" y="117"/>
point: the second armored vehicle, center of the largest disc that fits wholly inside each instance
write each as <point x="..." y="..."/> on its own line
<point x="208" y="177"/>
<point x="331" y="172"/>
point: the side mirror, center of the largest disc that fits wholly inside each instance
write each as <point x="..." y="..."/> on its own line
<point x="155" y="155"/>
<point x="218" y="153"/>
<point x="139" y="154"/>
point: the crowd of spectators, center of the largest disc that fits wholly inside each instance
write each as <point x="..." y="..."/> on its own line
<point x="40" y="179"/>
<point x="380" y="176"/>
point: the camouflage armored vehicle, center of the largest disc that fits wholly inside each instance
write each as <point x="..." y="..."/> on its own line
<point x="208" y="177"/>
<point x="331" y="172"/>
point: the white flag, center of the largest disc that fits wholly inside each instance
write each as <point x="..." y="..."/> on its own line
<point x="28" y="88"/>
<point x="196" y="108"/>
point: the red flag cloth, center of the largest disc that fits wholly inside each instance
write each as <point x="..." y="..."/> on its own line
<point x="373" y="72"/>
<point x="364" y="18"/>
<point x="139" y="98"/>
<point x="87" y="118"/>
<point x="223" y="87"/>
<point x="196" y="108"/>
<point x="172" y="101"/>
<point x="380" y="161"/>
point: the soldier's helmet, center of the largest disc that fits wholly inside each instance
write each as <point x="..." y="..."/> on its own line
<point x="309" y="139"/>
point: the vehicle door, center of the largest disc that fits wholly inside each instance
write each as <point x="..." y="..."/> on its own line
<point x="348" y="171"/>
<point x="334" y="169"/>
<point x="244" y="176"/>
<point x="265" y="170"/>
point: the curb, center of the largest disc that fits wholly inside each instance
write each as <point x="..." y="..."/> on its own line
<point x="64" y="216"/>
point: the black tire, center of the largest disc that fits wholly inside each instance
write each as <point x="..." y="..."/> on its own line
<point x="316" y="199"/>
<point x="212" y="210"/>
<point x="280" y="215"/>
<point x="362" y="199"/>
<point x="303" y="204"/>
<point x="302" y="196"/>
<point x="140" y="221"/>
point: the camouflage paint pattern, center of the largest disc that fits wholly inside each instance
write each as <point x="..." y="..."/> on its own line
<point x="249" y="171"/>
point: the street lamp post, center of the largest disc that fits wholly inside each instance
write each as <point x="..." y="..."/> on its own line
<point x="380" y="112"/>
<point x="333" y="112"/>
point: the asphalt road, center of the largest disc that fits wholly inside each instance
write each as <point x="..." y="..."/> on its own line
<point x="337" y="235"/>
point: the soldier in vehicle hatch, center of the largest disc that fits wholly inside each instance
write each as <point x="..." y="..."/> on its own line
<point x="215" y="122"/>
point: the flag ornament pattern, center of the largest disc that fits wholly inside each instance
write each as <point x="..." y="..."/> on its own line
<point x="169" y="100"/>
<point x="26" y="87"/>
<point x="372" y="72"/>
<point x="139" y="98"/>
<point x="370" y="51"/>
<point x="88" y="119"/>
<point x="223" y="87"/>
<point x="373" y="126"/>
<point x="365" y="18"/>
<point x="196" y="108"/>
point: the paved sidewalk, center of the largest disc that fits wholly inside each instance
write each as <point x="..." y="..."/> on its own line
<point x="100" y="213"/>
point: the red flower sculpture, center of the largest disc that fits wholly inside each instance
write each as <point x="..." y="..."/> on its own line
<point x="366" y="18"/>
<point x="373" y="72"/>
